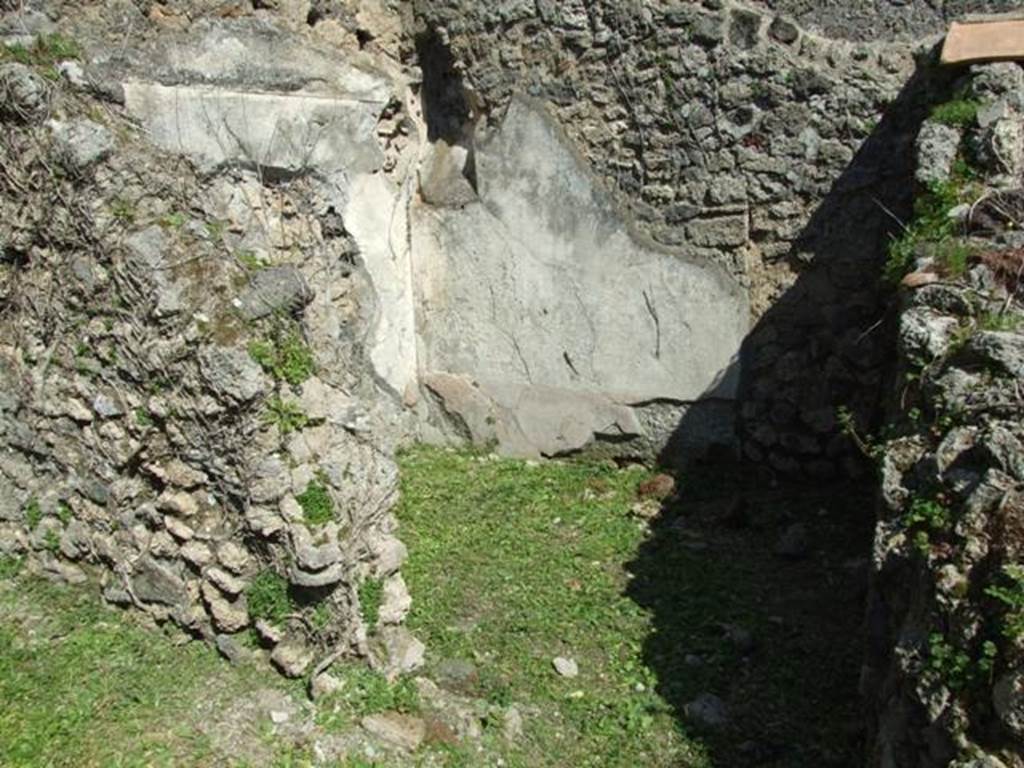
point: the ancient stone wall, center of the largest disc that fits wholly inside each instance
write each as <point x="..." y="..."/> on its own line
<point x="193" y="410"/>
<point x="943" y="679"/>
<point x="247" y="251"/>
<point x="730" y="135"/>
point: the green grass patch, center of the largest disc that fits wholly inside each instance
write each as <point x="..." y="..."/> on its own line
<point x="268" y="597"/>
<point x="285" y="356"/>
<point x="932" y="225"/>
<point x="46" y="51"/>
<point x="371" y="594"/>
<point x="83" y="685"/>
<point x="316" y="503"/>
<point x="51" y="541"/>
<point x="366" y="692"/>
<point x="250" y="260"/>
<point x="9" y="566"/>
<point x="33" y="513"/>
<point x="957" y="113"/>
<point x="1000" y="321"/>
<point x="64" y="513"/>
<point x="288" y="417"/>
<point x="143" y="417"/>
<point x="175" y="220"/>
<point x="512" y="564"/>
<point x="123" y="210"/>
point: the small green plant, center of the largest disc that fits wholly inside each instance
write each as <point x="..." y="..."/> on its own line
<point x="249" y="260"/>
<point x="316" y="503"/>
<point x="924" y="518"/>
<point x="175" y="220"/>
<point x="216" y="229"/>
<point x="929" y="513"/>
<point x="47" y="50"/>
<point x="51" y="541"/>
<point x="268" y="597"/>
<point x="960" y="336"/>
<point x="285" y="356"/>
<point x="159" y="384"/>
<point x="143" y="417"/>
<point x="122" y="210"/>
<point x="286" y="416"/>
<point x="64" y="513"/>
<point x="320" y="618"/>
<point x="371" y="594"/>
<point x="958" y="112"/>
<point x="952" y="257"/>
<point x="848" y="424"/>
<point x="999" y="321"/>
<point x="365" y="693"/>
<point x="962" y="170"/>
<point x="33" y="513"/>
<point x="9" y="567"/>
<point x="955" y="667"/>
<point x="952" y="665"/>
<point x="923" y="543"/>
<point x="1011" y="596"/>
<point x="931" y="224"/>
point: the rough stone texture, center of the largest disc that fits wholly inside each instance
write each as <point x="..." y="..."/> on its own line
<point x="776" y="151"/>
<point x="140" y="444"/>
<point x="942" y="677"/>
<point x="82" y="143"/>
<point x="284" y="134"/>
<point x="868" y="20"/>
<point x="550" y="225"/>
<point x="397" y="730"/>
<point x="710" y="166"/>
<point x="23" y="93"/>
<point x="937" y="147"/>
<point x="276" y="290"/>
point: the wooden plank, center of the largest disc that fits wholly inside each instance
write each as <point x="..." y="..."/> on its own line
<point x="988" y="41"/>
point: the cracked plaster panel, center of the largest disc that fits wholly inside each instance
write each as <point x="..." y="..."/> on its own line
<point x="248" y="94"/>
<point x="285" y="132"/>
<point x="376" y="217"/>
<point x="542" y="284"/>
<point x="251" y="96"/>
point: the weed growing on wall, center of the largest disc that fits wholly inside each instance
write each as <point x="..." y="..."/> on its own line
<point x="1011" y="595"/>
<point x="284" y="355"/>
<point x="371" y="593"/>
<point x="268" y="597"/>
<point x="288" y="417"/>
<point x="316" y="503"/>
<point x="955" y="667"/>
<point x="957" y="113"/>
<point x="931" y="224"/>
<point x="33" y="513"/>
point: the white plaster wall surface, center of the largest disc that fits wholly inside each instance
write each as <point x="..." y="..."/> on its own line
<point x="536" y="310"/>
<point x="250" y="96"/>
<point x="376" y="217"/>
<point x="542" y="287"/>
<point x="288" y="132"/>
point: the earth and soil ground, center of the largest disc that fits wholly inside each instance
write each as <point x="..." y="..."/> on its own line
<point x="719" y="627"/>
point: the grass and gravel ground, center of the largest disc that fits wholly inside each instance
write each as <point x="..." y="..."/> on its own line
<point x="511" y="564"/>
<point x="85" y="685"/>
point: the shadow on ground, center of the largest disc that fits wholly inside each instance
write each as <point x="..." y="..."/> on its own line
<point x="758" y="597"/>
<point x="775" y="634"/>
